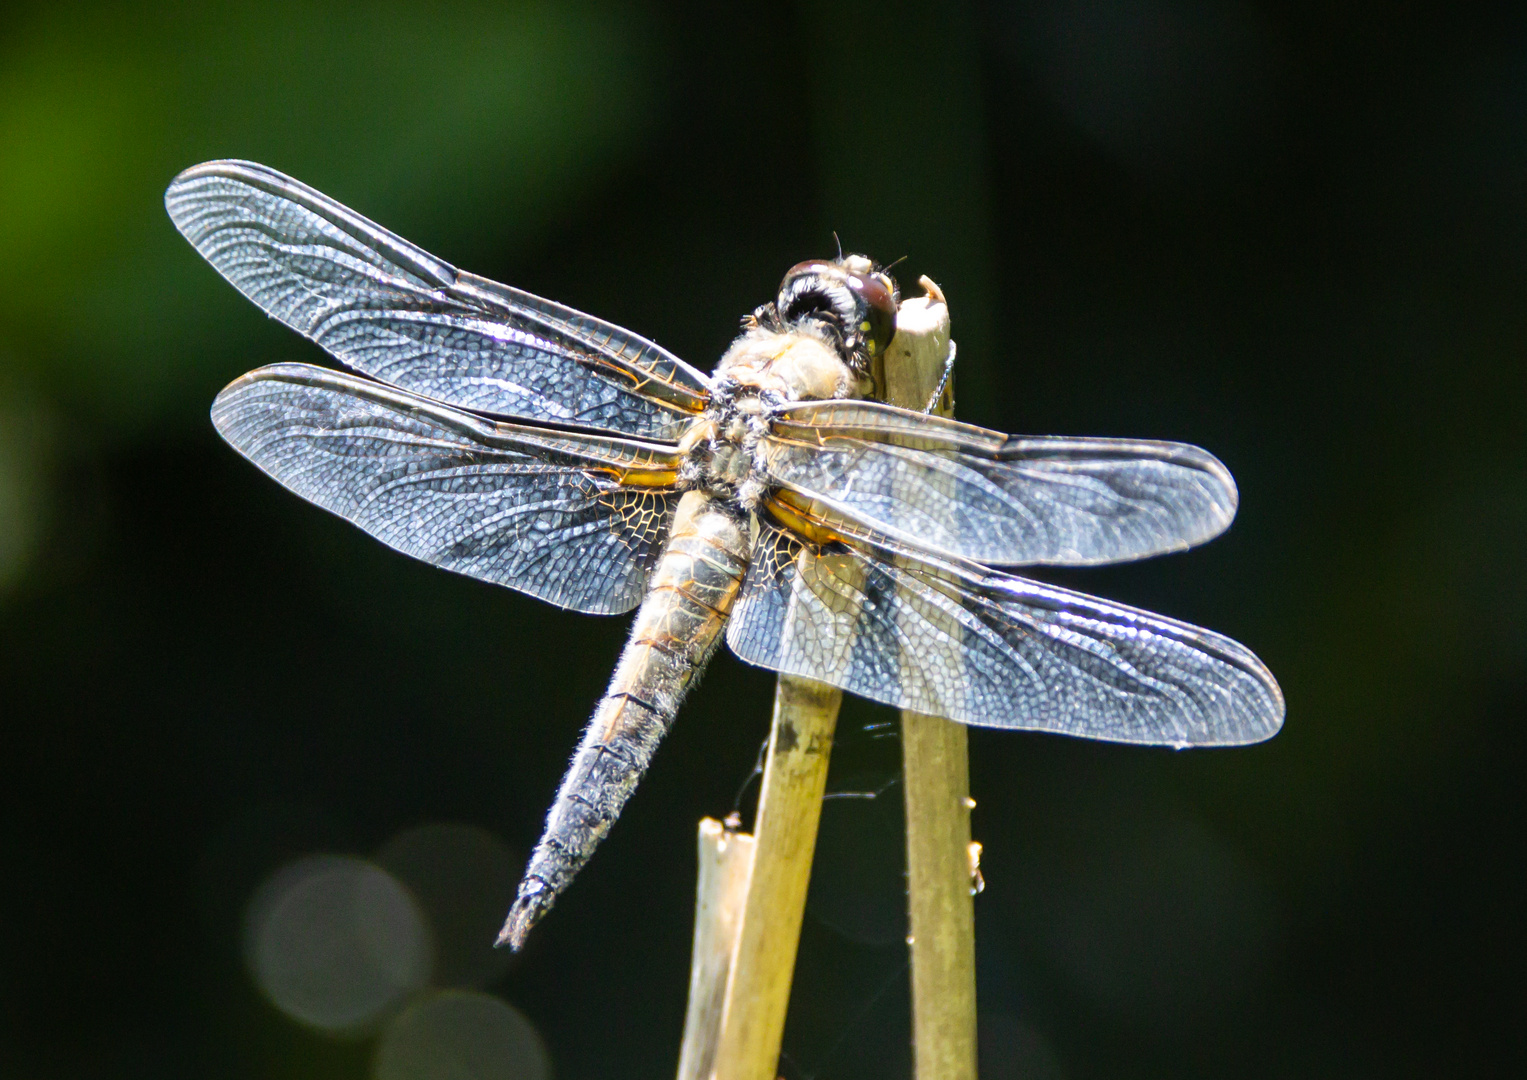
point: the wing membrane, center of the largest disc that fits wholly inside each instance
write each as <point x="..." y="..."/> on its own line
<point x="977" y="494"/>
<point x="958" y="640"/>
<point x="545" y="512"/>
<point x="393" y="311"/>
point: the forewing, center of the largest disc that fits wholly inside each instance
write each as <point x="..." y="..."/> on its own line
<point x="960" y="641"/>
<point x="575" y="519"/>
<point x="977" y="494"/>
<point x="393" y="311"/>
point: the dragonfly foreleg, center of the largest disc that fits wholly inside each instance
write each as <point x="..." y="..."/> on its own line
<point x="943" y="381"/>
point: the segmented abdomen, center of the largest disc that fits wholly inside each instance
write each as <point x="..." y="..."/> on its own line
<point x="678" y="626"/>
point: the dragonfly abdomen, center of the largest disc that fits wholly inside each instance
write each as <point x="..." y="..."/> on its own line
<point x="689" y="597"/>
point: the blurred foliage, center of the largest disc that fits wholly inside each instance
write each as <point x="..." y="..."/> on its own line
<point x="100" y="108"/>
<point x="1294" y="234"/>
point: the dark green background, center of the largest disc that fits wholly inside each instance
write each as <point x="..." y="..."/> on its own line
<point x="1293" y="233"/>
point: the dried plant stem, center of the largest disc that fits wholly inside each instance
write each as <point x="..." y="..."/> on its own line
<point x="942" y="915"/>
<point x="936" y="773"/>
<point x="738" y="1038"/>
<point x="726" y="859"/>
<point x="785" y="830"/>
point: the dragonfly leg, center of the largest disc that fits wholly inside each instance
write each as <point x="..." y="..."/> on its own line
<point x="943" y="379"/>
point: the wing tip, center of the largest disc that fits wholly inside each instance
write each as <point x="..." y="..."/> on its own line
<point x="1277" y="713"/>
<point x="1230" y="500"/>
<point x="228" y="169"/>
<point x="251" y="172"/>
<point x="1262" y="709"/>
<point x="230" y="397"/>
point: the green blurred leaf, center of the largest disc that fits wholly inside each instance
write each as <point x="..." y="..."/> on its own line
<point x="26" y="444"/>
<point x="503" y="119"/>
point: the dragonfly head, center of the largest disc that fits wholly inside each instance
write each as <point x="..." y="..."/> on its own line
<point x="849" y="300"/>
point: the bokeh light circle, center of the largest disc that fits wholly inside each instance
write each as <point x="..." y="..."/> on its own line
<point x="336" y="942"/>
<point x="463" y="878"/>
<point x="461" y="1035"/>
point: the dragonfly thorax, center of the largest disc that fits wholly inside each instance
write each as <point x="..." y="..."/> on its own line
<point x="762" y="370"/>
<point x="721" y="446"/>
<point x="792" y="366"/>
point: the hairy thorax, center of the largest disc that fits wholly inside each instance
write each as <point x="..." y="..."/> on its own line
<point x="761" y="371"/>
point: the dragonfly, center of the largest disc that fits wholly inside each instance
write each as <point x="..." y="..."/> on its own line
<point x="824" y="534"/>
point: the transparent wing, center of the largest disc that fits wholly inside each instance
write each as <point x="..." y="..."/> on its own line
<point x="575" y="519"/>
<point x="960" y="641"/>
<point x="965" y="491"/>
<point x="393" y="311"/>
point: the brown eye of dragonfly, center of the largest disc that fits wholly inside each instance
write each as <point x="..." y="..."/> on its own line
<point x="877" y="293"/>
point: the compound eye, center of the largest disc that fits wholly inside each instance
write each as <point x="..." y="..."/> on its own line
<point x="805" y="277"/>
<point x="877" y="310"/>
<point x="849" y="295"/>
<point x="809" y="267"/>
<point x="814" y="287"/>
